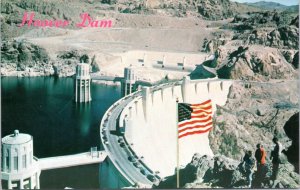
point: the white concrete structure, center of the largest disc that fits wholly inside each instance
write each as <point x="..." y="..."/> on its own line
<point x="71" y="160"/>
<point x="168" y="59"/>
<point x="21" y="170"/>
<point x="83" y="83"/>
<point x="150" y="122"/>
<point x="128" y="83"/>
<point x="148" y="64"/>
<point x="19" y="167"/>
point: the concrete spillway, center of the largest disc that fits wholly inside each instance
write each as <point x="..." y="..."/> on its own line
<point x="71" y="160"/>
<point x="149" y="122"/>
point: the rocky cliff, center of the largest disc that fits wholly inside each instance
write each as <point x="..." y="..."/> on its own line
<point x="25" y="57"/>
<point x="21" y="58"/>
<point x="239" y="126"/>
<point x="222" y="9"/>
<point x="291" y="129"/>
<point x="239" y="46"/>
<point x="250" y="63"/>
<point x="273" y="29"/>
<point x="222" y="172"/>
<point x="264" y="114"/>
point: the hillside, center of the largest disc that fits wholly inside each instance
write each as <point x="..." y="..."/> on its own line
<point x="268" y="5"/>
<point x="274" y="6"/>
<point x="193" y="26"/>
<point x="58" y="9"/>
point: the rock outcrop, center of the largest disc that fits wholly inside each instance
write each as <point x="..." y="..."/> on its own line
<point x="291" y="56"/>
<point x="216" y="10"/>
<point x="21" y="58"/>
<point x="291" y="129"/>
<point x="205" y="171"/>
<point x="28" y="59"/>
<point x="243" y="122"/>
<point x="221" y="9"/>
<point x="296" y="60"/>
<point x="295" y="21"/>
<point x="222" y="172"/>
<point x="279" y="30"/>
<point x="285" y="37"/>
<point x="249" y="63"/>
<point x="66" y="62"/>
<point x="264" y="18"/>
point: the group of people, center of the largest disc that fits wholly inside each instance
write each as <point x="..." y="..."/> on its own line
<point x="260" y="162"/>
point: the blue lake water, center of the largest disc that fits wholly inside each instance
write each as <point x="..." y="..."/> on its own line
<point x="44" y="108"/>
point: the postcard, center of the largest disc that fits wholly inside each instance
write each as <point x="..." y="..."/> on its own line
<point x="113" y="94"/>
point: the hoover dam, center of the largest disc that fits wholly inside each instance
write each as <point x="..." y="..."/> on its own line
<point x="139" y="132"/>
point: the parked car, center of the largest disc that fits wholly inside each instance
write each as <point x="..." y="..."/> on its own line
<point x="120" y="140"/>
<point x="131" y="159"/>
<point x="105" y="142"/>
<point x="122" y="144"/>
<point x="151" y="177"/>
<point x="143" y="171"/>
<point x="137" y="164"/>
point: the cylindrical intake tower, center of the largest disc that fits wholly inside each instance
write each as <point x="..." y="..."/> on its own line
<point x="20" y="168"/>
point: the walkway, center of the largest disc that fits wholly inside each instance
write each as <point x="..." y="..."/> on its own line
<point x="71" y="160"/>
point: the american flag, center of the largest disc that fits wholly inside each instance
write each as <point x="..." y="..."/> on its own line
<point x="194" y="118"/>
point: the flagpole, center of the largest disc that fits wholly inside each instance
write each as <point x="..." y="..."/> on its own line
<point x="177" y="140"/>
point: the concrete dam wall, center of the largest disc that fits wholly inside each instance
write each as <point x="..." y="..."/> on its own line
<point x="151" y="66"/>
<point x="150" y="122"/>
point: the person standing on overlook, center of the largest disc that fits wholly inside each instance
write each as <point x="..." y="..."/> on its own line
<point x="249" y="164"/>
<point x="275" y="156"/>
<point x="260" y="155"/>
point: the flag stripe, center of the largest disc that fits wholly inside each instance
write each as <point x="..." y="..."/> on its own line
<point x="195" y="119"/>
<point x="200" y="114"/>
<point x="194" y="132"/>
<point x="182" y="124"/>
<point x="201" y="107"/>
<point x="191" y="126"/>
<point x="194" y="127"/>
<point x="202" y="111"/>
<point x="203" y="103"/>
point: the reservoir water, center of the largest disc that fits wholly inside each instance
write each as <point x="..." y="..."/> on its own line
<point x="44" y="108"/>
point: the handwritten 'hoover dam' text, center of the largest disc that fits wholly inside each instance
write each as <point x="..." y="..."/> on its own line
<point x="86" y="21"/>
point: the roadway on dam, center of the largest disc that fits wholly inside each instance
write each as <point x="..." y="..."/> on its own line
<point x="119" y="155"/>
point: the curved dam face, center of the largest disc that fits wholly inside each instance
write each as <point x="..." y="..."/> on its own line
<point x="150" y="123"/>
